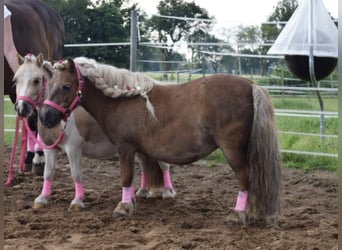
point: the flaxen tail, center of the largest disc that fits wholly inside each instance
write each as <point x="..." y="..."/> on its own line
<point x="265" y="185"/>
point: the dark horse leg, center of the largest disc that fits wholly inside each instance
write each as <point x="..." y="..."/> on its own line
<point x="127" y="204"/>
<point x="34" y="160"/>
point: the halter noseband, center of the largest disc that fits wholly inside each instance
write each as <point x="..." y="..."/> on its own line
<point x="67" y="111"/>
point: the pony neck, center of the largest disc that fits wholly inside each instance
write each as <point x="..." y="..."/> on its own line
<point x="92" y="100"/>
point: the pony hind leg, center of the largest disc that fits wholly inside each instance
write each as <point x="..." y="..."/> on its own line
<point x="236" y="158"/>
<point x="155" y="178"/>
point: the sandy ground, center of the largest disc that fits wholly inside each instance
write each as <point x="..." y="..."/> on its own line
<point x="195" y="219"/>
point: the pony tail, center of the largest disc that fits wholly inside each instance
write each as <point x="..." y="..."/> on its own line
<point x="265" y="185"/>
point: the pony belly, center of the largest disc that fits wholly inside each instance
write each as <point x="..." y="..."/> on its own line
<point x="102" y="150"/>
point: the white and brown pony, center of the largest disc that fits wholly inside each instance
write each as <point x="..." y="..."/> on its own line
<point x="82" y="137"/>
<point x="178" y="124"/>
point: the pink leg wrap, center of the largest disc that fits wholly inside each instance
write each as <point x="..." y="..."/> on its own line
<point x="36" y="146"/>
<point x="241" y="202"/>
<point x="167" y="179"/>
<point x="127" y="194"/>
<point x="79" y="194"/>
<point x="46" y="188"/>
<point x="143" y="180"/>
<point x="30" y="144"/>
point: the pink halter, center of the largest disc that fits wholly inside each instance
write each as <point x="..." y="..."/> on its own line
<point x="66" y="111"/>
<point x="38" y="101"/>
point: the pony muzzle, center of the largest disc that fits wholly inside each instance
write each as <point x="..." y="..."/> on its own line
<point x="49" y="117"/>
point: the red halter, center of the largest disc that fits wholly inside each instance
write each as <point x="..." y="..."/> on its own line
<point x="67" y="111"/>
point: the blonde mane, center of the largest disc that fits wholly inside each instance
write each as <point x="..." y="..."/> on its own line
<point x="114" y="82"/>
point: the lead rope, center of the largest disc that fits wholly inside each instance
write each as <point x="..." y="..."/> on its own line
<point x="41" y="144"/>
<point x="25" y="131"/>
<point x="14" y="147"/>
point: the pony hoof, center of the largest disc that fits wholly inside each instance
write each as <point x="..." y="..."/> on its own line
<point x="142" y="192"/>
<point x="236" y="218"/>
<point x="76" y="205"/>
<point x="169" y="193"/>
<point x="39" y="202"/>
<point x="124" y="209"/>
<point x="38" y="169"/>
<point x="38" y="205"/>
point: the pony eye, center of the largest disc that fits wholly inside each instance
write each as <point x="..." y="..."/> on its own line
<point x="66" y="87"/>
<point x="36" y="81"/>
<point x="14" y="82"/>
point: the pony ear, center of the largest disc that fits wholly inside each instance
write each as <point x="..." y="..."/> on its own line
<point x="48" y="68"/>
<point x="20" y="59"/>
<point x="71" y="65"/>
<point x="40" y="59"/>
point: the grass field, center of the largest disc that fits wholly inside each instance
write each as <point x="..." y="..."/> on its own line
<point x="283" y="123"/>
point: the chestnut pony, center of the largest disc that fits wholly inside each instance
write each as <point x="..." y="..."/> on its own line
<point x="82" y="137"/>
<point x="178" y="124"/>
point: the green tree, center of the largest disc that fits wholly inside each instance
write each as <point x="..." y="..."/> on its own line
<point x="170" y="30"/>
<point x="101" y="21"/>
<point x="248" y="39"/>
<point x="214" y="47"/>
<point x="282" y="13"/>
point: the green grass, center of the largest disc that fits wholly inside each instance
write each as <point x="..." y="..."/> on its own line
<point x="300" y="142"/>
<point x="9" y="122"/>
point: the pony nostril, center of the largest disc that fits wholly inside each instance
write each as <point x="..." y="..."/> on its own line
<point x="22" y="108"/>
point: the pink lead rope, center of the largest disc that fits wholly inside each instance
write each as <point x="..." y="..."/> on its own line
<point x="22" y="153"/>
<point x="25" y="131"/>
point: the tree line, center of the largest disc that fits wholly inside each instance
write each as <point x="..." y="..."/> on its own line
<point x="108" y="21"/>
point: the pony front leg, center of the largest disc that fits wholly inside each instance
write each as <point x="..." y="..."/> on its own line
<point x="50" y="160"/>
<point x="75" y="158"/>
<point x="127" y="204"/>
<point x="38" y="160"/>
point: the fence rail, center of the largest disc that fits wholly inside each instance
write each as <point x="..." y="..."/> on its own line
<point x="278" y="112"/>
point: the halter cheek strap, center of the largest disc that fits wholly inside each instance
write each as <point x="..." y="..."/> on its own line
<point x="67" y="111"/>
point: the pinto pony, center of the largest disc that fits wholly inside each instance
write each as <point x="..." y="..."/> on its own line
<point x="82" y="136"/>
<point x="178" y="124"/>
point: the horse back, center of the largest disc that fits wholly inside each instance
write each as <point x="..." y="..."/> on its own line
<point x="220" y="95"/>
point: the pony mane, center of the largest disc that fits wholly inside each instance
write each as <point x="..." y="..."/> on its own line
<point x="30" y="58"/>
<point x="114" y="82"/>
